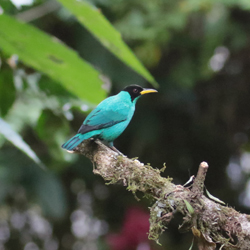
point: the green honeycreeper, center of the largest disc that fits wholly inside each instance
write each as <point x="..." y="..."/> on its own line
<point x="110" y="118"/>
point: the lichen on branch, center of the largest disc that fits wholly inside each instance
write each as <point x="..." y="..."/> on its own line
<point x="212" y="224"/>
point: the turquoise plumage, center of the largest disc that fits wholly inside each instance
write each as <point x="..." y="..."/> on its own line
<point x="109" y="119"/>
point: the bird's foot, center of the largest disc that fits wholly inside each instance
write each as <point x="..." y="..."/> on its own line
<point x="116" y="150"/>
<point x="71" y="151"/>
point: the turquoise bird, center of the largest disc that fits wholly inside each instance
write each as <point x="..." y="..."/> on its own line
<point x="110" y="118"/>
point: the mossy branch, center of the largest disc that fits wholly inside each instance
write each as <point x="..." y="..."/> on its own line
<point x="212" y="224"/>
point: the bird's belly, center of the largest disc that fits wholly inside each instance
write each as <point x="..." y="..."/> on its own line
<point x="111" y="133"/>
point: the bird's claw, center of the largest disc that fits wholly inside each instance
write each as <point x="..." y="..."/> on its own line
<point x="116" y="150"/>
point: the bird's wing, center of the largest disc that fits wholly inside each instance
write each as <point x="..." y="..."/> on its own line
<point x="99" y="119"/>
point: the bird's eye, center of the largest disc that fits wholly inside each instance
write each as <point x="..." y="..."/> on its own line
<point x="135" y="91"/>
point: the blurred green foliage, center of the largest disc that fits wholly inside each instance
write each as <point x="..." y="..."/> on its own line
<point x="97" y="24"/>
<point x="198" y="52"/>
<point x="49" y="55"/>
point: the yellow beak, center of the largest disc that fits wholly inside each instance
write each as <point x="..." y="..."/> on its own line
<point x="147" y="91"/>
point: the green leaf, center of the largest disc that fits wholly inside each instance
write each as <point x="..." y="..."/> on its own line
<point x="99" y="26"/>
<point x="191" y="247"/>
<point x="189" y="207"/>
<point x="18" y="141"/>
<point x="211" y="197"/>
<point x="48" y="55"/>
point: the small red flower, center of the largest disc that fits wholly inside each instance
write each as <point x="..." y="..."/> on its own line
<point x="134" y="231"/>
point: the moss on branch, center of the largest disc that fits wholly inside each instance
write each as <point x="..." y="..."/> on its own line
<point x="211" y="223"/>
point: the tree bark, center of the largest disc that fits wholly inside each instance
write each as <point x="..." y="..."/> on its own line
<point x="212" y="224"/>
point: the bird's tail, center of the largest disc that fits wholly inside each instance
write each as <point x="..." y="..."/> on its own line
<point x="74" y="141"/>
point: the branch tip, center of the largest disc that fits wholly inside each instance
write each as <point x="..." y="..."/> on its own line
<point x="203" y="164"/>
<point x="198" y="185"/>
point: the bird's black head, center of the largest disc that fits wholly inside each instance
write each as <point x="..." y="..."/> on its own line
<point x="136" y="91"/>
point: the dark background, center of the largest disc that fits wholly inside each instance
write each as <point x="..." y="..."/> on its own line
<point x="199" y="53"/>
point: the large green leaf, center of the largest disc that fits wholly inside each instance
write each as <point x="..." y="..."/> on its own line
<point x="48" y="55"/>
<point x="18" y="141"/>
<point x="100" y="27"/>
